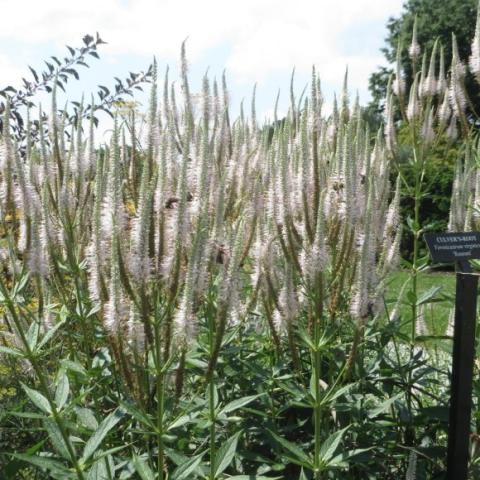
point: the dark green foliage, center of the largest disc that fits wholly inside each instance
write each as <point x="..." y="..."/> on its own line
<point x="435" y="206"/>
<point x="264" y="411"/>
<point x="436" y="19"/>
<point x="56" y="74"/>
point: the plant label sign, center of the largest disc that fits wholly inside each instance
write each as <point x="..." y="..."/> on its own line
<point x="458" y="248"/>
<point x="453" y="247"/>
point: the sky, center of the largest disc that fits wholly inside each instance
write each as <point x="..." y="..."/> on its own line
<point x="254" y="41"/>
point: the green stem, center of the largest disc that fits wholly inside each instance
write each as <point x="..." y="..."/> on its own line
<point x="317" y="365"/>
<point x="160" y="403"/>
<point x="416" y="230"/>
<point x="211" y="402"/>
<point x="43" y="383"/>
<point x="316" y="357"/>
<point x="211" y="399"/>
<point x="317" y="409"/>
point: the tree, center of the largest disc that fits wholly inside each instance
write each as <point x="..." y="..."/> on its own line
<point x="436" y="19"/>
<point x="57" y="73"/>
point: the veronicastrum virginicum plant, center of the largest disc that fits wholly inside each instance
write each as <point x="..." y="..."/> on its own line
<point x="159" y="252"/>
<point x="147" y="252"/>
<point x="434" y="111"/>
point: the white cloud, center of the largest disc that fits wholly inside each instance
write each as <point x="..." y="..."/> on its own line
<point x="265" y="37"/>
<point x="10" y="74"/>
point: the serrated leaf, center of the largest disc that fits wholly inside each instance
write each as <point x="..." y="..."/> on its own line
<point x="428" y="296"/>
<point x="32" y="335"/>
<point x="297" y="452"/>
<point x="215" y="397"/>
<point x="51" y="332"/>
<point x="11" y="351"/>
<point x="239" y="403"/>
<point x="62" y="391"/>
<point x="142" y="468"/>
<point x="383" y="406"/>
<point x="183" y="420"/>
<point x="96" y="439"/>
<point x="329" y="397"/>
<point x="341" y="460"/>
<point x="37" y="399"/>
<point x="86" y="418"/>
<point x="56" y="437"/>
<point x="137" y="414"/>
<point x="184" y="471"/>
<point x="330" y="445"/>
<point x="253" y="477"/>
<point x="20" y="285"/>
<point x="73" y="366"/>
<point x="98" y="471"/>
<point x="27" y="415"/>
<point x="225" y="453"/>
<point x="194" y="362"/>
<point x="44" y="462"/>
<point x="307" y="339"/>
<point x="302" y="475"/>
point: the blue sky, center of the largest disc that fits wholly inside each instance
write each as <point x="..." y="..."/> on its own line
<point x="256" y="41"/>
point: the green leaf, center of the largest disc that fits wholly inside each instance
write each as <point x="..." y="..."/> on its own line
<point x="56" y="437"/>
<point x="20" y="285"/>
<point x="44" y="462"/>
<point x="431" y="338"/>
<point x="428" y="296"/>
<point x="383" y="406"/>
<point x="86" y="418"/>
<point x="73" y="366"/>
<point x="435" y="413"/>
<point x="298" y="453"/>
<point x="225" y="453"/>
<point x="253" y="477"/>
<point x="51" y="332"/>
<point x="12" y="468"/>
<point x="179" y="459"/>
<point x="183" y="420"/>
<point x="184" y="471"/>
<point x="335" y="393"/>
<point x="330" y="445"/>
<point x="27" y="415"/>
<point x="11" y="351"/>
<point x="96" y="439"/>
<point x="302" y="475"/>
<point x="32" y="335"/>
<point x="241" y="402"/>
<point x="137" y="414"/>
<point x="307" y="339"/>
<point x="99" y="470"/>
<point x="411" y="297"/>
<point x="215" y="396"/>
<point x="37" y="399"/>
<point x="341" y="460"/>
<point x="63" y="389"/>
<point x="142" y="468"/>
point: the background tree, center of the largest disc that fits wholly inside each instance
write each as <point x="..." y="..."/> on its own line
<point x="58" y="72"/>
<point x="435" y="19"/>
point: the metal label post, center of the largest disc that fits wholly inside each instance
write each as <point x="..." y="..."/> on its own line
<point x="462" y="374"/>
<point x="459" y="248"/>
